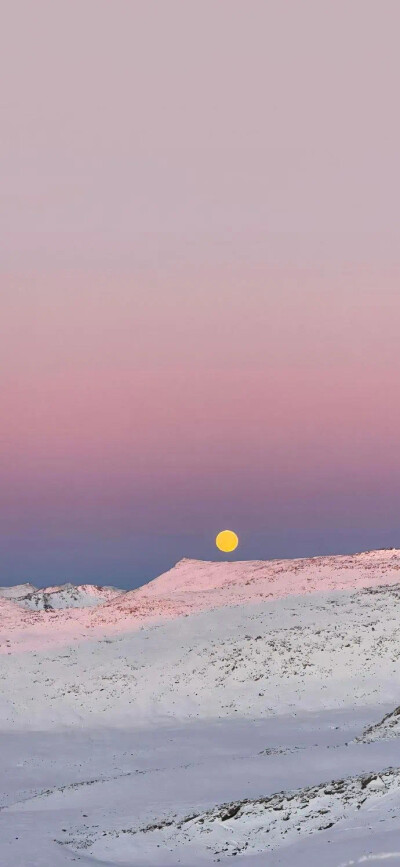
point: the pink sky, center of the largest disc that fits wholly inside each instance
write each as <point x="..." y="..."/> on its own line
<point x="200" y="266"/>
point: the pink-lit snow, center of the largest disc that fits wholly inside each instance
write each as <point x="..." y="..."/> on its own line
<point x="189" y="587"/>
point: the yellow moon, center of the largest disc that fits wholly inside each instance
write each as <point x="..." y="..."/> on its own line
<point x="227" y="541"/>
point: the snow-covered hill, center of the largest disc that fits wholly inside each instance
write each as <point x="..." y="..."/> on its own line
<point x="224" y="709"/>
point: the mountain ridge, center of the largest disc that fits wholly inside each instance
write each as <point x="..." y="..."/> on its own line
<point x="190" y="587"/>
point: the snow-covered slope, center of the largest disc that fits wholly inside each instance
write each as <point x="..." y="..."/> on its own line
<point x="224" y="709"/>
<point x="325" y="650"/>
<point x="388" y="727"/>
<point x="266" y="825"/>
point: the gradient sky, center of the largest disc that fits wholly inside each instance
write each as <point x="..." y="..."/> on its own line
<point x="200" y="295"/>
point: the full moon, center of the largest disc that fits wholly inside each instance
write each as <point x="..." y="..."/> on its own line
<point x="227" y="541"/>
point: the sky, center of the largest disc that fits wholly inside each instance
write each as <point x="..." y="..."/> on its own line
<point x="200" y="296"/>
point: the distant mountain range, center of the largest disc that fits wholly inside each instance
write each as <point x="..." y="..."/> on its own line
<point x="63" y="596"/>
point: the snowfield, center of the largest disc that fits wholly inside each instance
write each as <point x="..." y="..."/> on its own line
<point x="244" y="709"/>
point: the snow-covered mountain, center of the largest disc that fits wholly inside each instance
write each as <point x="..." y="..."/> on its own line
<point x="63" y="596"/>
<point x="245" y="709"/>
<point x="18" y="592"/>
